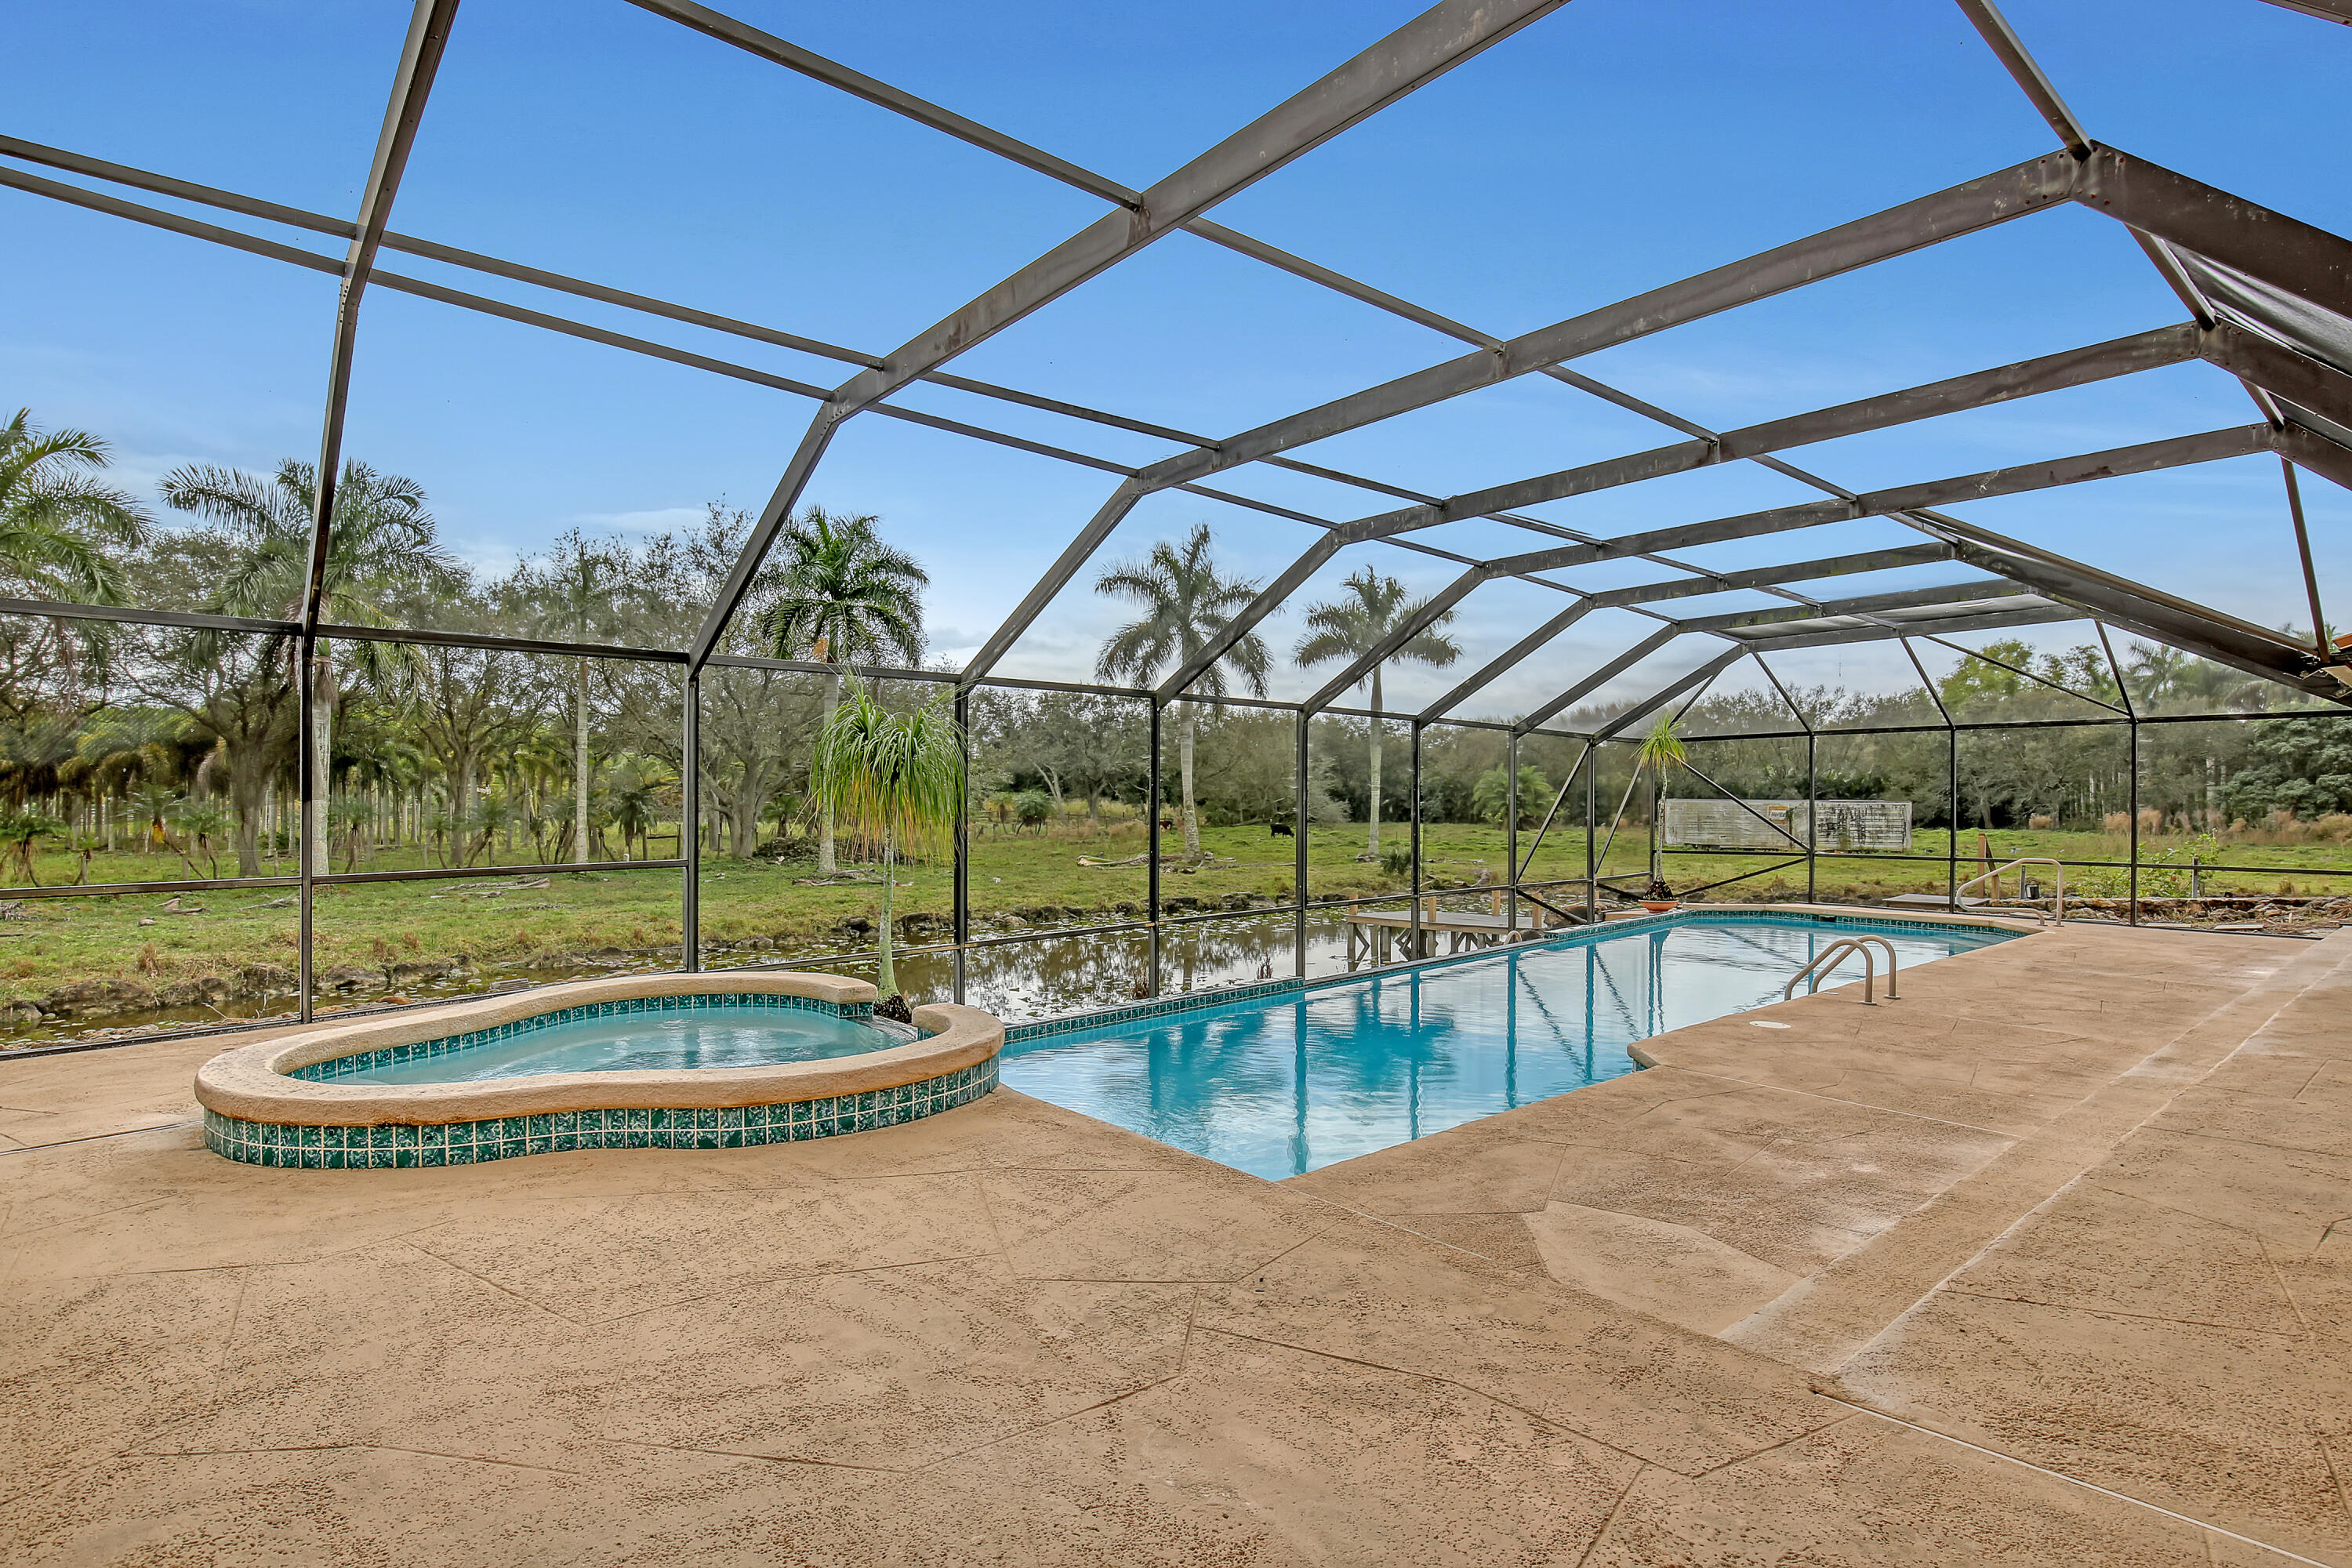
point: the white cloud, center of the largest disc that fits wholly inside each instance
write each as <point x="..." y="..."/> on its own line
<point x="655" y="520"/>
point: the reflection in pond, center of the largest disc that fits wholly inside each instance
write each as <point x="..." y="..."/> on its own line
<point x="1047" y="976"/>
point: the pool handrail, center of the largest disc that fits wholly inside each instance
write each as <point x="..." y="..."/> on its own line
<point x="1838" y="952"/>
<point x="2034" y="909"/>
<point x="1892" y="994"/>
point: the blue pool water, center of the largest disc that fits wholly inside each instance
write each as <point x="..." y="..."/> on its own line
<point x="694" y="1034"/>
<point x="1281" y="1086"/>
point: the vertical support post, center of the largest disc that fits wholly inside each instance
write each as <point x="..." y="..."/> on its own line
<point x="689" y="825"/>
<point x="1591" y="833"/>
<point x="1151" y="859"/>
<point x="2310" y="578"/>
<point x="1952" y="815"/>
<point x="2131" y="801"/>
<point x="1951" y="782"/>
<point x="1415" y="841"/>
<point x="420" y="60"/>
<point x="2131" y="713"/>
<point x="307" y="816"/>
<point x="1814" y="816"/>
<point x="1511" y="832"/>
<point x="1298" y="855"/>
<point x="962" y="917"/>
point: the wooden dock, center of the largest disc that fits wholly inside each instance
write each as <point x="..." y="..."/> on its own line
<point x="1377" y="937"/>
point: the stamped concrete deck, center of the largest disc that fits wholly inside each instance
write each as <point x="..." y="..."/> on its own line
<point x="1953" y="1280"/>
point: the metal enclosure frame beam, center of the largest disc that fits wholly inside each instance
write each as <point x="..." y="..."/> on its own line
<point x="2162" y="208"/>
<point x="1422" y="49"/>
<point x="1965" y="208"/>
<point x="420" y="61"/>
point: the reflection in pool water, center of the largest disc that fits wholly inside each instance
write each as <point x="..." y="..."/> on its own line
<point x="1286" y="1085"/>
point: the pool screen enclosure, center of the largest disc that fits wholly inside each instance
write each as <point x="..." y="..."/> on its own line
<point x="2262" y="297"/>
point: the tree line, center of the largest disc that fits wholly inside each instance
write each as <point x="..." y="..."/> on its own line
<point x="179" y="741"/>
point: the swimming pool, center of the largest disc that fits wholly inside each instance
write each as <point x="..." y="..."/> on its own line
<point x="1286" y="1085"/>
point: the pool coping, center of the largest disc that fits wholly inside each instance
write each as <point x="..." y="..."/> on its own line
<point x="251" y="1084"/>
<point x="1826" y="914"/>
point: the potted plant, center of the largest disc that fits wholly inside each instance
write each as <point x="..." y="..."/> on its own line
<point x="891" y="778"/>
<point x="1661" y="749"/>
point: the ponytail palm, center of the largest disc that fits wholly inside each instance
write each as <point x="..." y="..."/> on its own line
<point x="1661" y="750"/>
<point x="893" y="777"/>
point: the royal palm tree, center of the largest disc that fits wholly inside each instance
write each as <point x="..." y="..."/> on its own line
<point x="577" y="594"/>
<point x="894" y="778"/>
<point x="1370" y="610"/>
<point x="843" y="597"/>
<point x="382" y="545"/>
<point x="1186" y="604"/>
<point x="2166" y="678"/>
<point x="59" y="529"/>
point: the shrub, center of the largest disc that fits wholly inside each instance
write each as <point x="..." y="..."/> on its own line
<point x="2040" y="823"/>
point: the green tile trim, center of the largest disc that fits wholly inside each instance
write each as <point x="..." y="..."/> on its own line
<point x="402" y="1146"/>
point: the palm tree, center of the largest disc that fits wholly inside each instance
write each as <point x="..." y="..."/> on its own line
<point x="636" y="802"/>
<point x="1186" y="604"/>
<point x="576" y="592"/>
<point x="382" y="544"/>
<point x="57" y="527"/>
<point x="843" y="597"/>
<point x="1371" y="610"/>
<point x="204" y="825"/>
<point x="1661" y="750"/>
<point x="18" y="827"/>
<point x="893" y="777"/>
<point x="2161" y="675"/>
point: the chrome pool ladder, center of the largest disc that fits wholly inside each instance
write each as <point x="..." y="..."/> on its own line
<point x="1998" y="902"/>
<point x="1837" y="952"/>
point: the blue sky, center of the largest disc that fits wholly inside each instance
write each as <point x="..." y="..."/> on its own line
<point x="1616" y="145"/>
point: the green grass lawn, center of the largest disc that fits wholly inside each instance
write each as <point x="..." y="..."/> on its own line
<point x="226" y="949"/>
